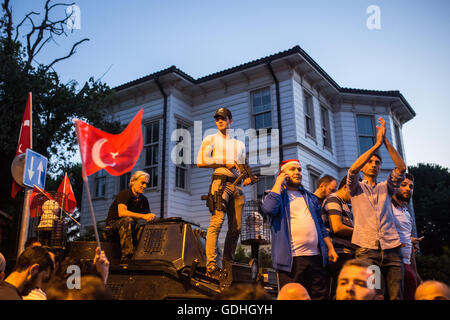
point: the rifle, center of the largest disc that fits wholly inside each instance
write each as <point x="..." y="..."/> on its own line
<point x="246" y="172"/>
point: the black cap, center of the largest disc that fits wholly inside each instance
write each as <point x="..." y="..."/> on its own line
<point x="223" y="112"/>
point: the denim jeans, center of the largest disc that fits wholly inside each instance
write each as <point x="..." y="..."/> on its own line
<point x="391" y="267"/>
<point x="234" y="203"/>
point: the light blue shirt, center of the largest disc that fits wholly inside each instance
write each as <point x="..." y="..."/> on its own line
<point x="374" y="223"/>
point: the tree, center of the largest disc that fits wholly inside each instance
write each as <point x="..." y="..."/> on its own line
<point x="431" y="204"/>
<point x="55" y="104"/>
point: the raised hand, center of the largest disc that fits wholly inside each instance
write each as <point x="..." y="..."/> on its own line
<point x="381" y="130"/>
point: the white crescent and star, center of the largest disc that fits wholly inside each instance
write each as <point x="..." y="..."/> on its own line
<point x="96" y="148"/>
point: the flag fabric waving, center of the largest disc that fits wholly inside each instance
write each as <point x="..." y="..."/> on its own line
<point x="116" y="153"/>
<point x="25" y="139"/>
<point x="68" y="201"/>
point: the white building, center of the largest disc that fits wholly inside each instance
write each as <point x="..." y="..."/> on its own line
<point x="325" y="126"/>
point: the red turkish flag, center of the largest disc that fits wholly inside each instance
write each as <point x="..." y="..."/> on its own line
<point x="25" y="139"/>
<point x="116" y="153"/>
<point x="70" y="202"/>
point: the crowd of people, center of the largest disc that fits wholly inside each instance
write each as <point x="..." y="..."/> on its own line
<point x="41" y="274"/>
<point x="358" y="234"/>
<point x="348" y="241"/>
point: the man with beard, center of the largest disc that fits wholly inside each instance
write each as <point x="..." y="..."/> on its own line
<point x="354" y="282"/>
<point x="33" y="266"/>
<point x="300" y="242"/>
<point x="325" y="186"/>
<point x="403" y="223"/>
<point x="374" y="229"/>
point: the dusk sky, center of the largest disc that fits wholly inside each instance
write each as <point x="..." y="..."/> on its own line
<point x="410" y="52"/>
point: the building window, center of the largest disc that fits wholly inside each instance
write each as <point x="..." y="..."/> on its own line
<point x="181" y="170"/>
<point x="326" y="135"/>
<point x="313" y="181"/>
<point x="124" y="180"/>
<point x="366" y="133"/>
<point x="398" y="140"/>
<point x="100" y="183"/>
<point x="308" y="108"/>
<point x="261" y="109"/>
<point x="151" y="147"/>
<point x="264" y="183"/>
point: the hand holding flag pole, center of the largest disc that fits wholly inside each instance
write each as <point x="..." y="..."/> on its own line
<point x="116" y="153"/>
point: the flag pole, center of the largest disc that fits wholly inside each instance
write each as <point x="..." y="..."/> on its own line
<point x="86" y="184"/>
<point x="64" y="195"/>
<point x="26" y="201"/>
<point x="25" y="220"/>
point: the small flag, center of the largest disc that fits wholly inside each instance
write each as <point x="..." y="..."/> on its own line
<point x="25" y="139"/>
<point x="68" y="201"/>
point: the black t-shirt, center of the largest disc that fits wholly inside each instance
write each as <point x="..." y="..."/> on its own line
<point x="137" y="204"/>
<point x="9" y="292"/>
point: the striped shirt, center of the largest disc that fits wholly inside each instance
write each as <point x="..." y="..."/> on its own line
<point x="333" y="205"/>
<point x="374" y="224"/>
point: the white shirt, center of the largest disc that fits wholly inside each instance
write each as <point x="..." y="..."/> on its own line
<point x="222" y="150"/>
<point x="403" y="224"/>
<point x="304" y="237"/>
<point x="36" y="294"/>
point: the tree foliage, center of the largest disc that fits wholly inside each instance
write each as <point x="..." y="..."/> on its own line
<point x="55" y="104"/>
<point x="432" y="267"/>
<point x="431" y="206"/>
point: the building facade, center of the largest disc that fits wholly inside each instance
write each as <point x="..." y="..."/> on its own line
<point x="304" y="113"/>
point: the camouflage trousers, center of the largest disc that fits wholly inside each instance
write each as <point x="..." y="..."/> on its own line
<point x="126" y="228"/>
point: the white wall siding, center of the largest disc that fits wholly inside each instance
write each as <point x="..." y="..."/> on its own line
<point x="346" y="138"/>
<point x="196" y="105"/>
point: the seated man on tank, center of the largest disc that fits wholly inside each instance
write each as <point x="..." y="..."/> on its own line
<point x="129" y="205"/>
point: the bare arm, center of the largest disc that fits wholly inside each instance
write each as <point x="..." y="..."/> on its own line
<point x="205" y="159"/>
<point x="124" y="212"/>
<point x="332" y="255"/>
<point x="338" y="227"/>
